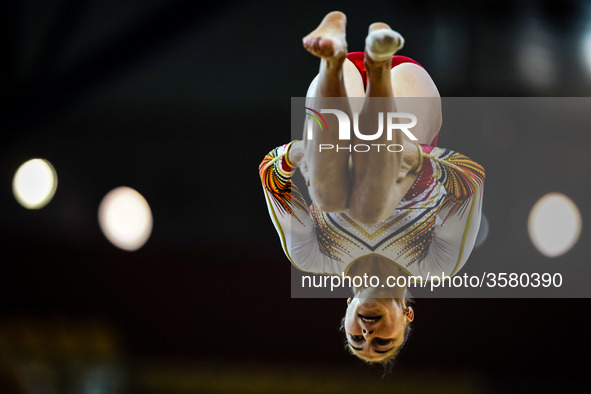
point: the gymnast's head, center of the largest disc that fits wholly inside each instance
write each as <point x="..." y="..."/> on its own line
<point x="376" y="329"/>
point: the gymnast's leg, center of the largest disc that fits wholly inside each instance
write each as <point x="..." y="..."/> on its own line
<point x="375" y="192"/>
<point x="327" y="172"/>
<point x="416" y="93"/>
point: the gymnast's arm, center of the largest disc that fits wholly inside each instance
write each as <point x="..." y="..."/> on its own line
<point x="289" y="211"/>
<point x="458" y="219"/>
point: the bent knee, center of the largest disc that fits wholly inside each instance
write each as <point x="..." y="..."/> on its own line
<point x="368" y="214"/>
<point x="330" y="200"/>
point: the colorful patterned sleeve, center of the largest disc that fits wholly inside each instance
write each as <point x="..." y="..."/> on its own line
<point x="458" y="218"/>
<point x="291" y="216"/>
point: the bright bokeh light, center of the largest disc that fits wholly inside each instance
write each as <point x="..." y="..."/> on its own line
<point x="34" y="183"/>
<point x="554" y="224"/>
<point x="125" y="218"/>
<point x="585" y="50"/>
<point x="536" y="54"/>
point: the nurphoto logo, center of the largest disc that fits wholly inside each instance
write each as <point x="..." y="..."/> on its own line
<point x="391" y="120"/>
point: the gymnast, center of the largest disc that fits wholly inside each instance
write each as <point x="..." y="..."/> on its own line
<point x="408" y="212"/>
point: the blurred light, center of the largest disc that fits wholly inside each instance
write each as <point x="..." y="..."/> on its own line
<point x="125" y="218"/>
<point x="536" y="55"/>
<point x="554" y="224"/>
<point x="482" y="231"/>
<point x="586" y="50"/>
<point x="34" y="183"/>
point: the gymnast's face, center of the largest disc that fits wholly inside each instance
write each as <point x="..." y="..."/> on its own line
<point x="375" y="327"/>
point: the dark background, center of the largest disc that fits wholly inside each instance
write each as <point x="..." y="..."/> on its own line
<point x="180" y="100"/>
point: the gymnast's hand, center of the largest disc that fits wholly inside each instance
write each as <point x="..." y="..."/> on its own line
<point x="410" y="160"/>
<point x="296" y="154"/>
<point x="297" y="159"/>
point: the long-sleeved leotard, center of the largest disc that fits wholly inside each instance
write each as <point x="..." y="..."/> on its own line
<point x="432" y="230"/>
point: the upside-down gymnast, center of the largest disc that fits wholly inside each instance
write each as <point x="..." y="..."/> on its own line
<point x="389" y="213"/>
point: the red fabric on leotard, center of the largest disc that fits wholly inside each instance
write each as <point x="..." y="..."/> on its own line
<point x="358" y="59"/>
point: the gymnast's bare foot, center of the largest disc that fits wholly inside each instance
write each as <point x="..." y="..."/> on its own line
<point x="329" y="40"/>
<point x="382" y="42"/>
